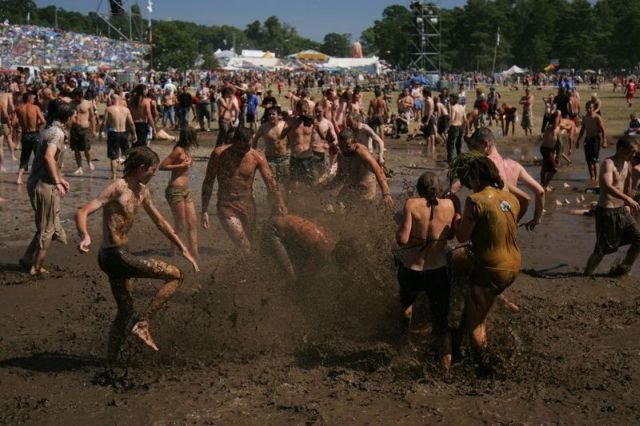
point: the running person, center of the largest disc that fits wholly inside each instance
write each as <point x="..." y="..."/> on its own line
<point x="121" y="201"/>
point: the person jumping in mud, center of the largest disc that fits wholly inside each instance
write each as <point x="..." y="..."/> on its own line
<point x="121" y="201"/>
<point x="300" y="245"/>
<point x="490" y="221"/>
<point x="614" y="225"/>
<point x="427" y="224"/>
<point x="235" y="166"/>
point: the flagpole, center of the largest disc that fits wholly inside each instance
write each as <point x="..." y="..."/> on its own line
<point x="150" y="34"/>
<point x="495" y="53"/>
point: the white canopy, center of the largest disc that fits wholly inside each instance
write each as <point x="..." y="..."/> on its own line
<point x="255" y="63"/>
<point x="514" y="70"/>
<point x="371" y="65"/>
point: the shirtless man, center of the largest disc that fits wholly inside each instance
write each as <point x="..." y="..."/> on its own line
<point x="595" y="136"/>
<point x="81" y="130"/>
<point x="457" y="126"/>
<point x="378" y="113"/>
<point x="324" y="137"/>
<point x="358" y="172"/>
<point x="366" y="137"/>
<point x="235" y="166"/>
<point x="511" y="173"/>
<point x="549" y="151"/>
<point x="300" y="245"/>
<point x="6" y="103"/>
<point x="4" y="118"/>
<point x="527" y="112"/>
<point x="228" y="110"/>
<point x="615" y="227"/>
<point x="140" y="107"/>
<point x="298" y="130"/>
<point x="275" y="147"/>
<point x="121" y="201"/>
<point x="405" y="110"/>
<point x="117" y="118"/>
<point x="426" y="226"/>
<point x="30" y="119"/>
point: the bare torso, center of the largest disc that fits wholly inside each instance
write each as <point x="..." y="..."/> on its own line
<point x="299" y="138"/>
<point x="119" y="213"/>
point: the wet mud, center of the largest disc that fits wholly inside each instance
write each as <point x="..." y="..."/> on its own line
<point x="241" y="344"/>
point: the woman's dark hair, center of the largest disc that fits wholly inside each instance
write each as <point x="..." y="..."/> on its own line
<point x="138" y="95"/>
<point x="427" y="189"/>
<point x="140" y="156"/>
<point x="188" y="138"/>
<point x="475" y="166"/>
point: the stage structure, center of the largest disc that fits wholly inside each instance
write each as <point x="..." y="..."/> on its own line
<point x="122" y="17"/>
<point x="427" y="37"/>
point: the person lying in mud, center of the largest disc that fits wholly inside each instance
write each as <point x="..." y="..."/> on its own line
<point x="235" y="166"/>
<point x="490" y="222"/>
<point x="121" y="201"/>
<point x="358" y="172"/>
<point x="427" y="223"/>
<point x="300" y="245"/>
<point x="615" y="227"/>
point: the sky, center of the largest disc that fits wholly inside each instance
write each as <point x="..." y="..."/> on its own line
<point x="312" y="18"/>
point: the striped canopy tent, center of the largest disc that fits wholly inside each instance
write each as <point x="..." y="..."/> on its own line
<point x="310" y="55"/>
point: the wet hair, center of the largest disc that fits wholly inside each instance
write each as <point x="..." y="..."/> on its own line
<point x="242" y="134"/>
<point x="481" y="134"/>
<point x="475" y="166"/>
<point x="138" y="94"/>
<point x="188" y="138"/>
<point x="426" y="187"/>
<point x="140" y="156"/>
<point x="377" y="92"/>
<point x="624" y="143"/>
<point x="65" y="112"/>
<point x="346" y="135"/>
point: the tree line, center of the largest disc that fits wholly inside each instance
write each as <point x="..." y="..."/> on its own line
<point x="578" y="33"/>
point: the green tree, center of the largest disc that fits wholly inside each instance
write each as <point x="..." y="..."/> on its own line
<point x="338" y="45"/>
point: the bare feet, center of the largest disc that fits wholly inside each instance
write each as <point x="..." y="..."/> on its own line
<point x="35" y="272"/>
<point x="19" y="182"/>
<point x="141" y="330"/>
<point x="509" y="305"/>
<point x="91" y="166"/>
<point x="79" y="172"/>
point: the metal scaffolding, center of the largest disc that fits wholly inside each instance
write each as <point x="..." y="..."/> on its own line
<point x="427" y="37"/>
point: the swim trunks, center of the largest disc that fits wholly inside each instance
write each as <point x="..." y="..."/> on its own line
<point x="549" y="161"/>
<point x="176" y="194"/>
<point x="118" y="263"/>
<point x="117" y="144"/>
<point x="615" y="227"/>
<point x="29" y="143"/>
<point x="592" y="150"/>
<point x="243" y="209"/>
<point x="300" y="169"/>
<point x="79" y="138"/>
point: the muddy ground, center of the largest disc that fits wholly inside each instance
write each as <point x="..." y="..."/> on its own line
<point x="241" y="345"/>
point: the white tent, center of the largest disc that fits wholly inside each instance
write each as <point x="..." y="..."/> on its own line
<point x="514" y="70"/>
<point x="249" y="63"/>
<point x="247" y="53"/>
<point x="371" y="65"/>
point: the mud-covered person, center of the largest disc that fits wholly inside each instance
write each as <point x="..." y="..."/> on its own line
<point x="358" y="172"/>
<point x="117" y="119"/>
<point x="324" y="138"/>
<point x="121" y="201"/>
<point x="427" y="223"/>
<point x="300" y="245"/>
<point x="46" y="187"/>
<point x="235" y="166"/>
<point x="615" y="227"/>
<point x="177" y="193"/>
<point x="490" y="222"/>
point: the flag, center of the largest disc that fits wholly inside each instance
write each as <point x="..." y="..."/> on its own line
<point x="150" y="6"/>
<point x="28" y="17"/>
<point x="498" y="38"/>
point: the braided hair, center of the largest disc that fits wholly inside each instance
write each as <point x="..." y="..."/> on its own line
<point x="475" y="166"/>
<point x="426" y="188"/>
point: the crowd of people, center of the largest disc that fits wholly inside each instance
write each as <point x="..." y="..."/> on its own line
<point x="326" y="139"/>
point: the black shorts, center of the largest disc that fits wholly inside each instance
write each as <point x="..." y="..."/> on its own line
<point x="142" y="132"/>
<point x="592" y="150"/>
<point x="443" y="123"/>
<point x="615" y="227"/>
<point x="117" y="144"/>
<point x="119" y="264"/>
<point x="301" y="169"/>
<point x="29" y="144"/>
<point x="80" y="138"/>
<point x="434" y="282"/>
